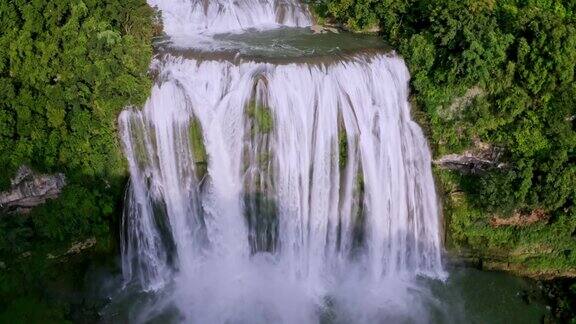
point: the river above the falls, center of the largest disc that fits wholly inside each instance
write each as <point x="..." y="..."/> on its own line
<point x="278" y="45"/>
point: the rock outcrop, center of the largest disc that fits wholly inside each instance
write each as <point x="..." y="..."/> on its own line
<point x="474" y="161"/>
<point x="519" y="219"/>
<point x="323" y="29"/>
<point x="78" y="247"/>
<point x="30" y="189"/>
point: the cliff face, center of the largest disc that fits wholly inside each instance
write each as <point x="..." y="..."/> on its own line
<point x="30" y="189"/>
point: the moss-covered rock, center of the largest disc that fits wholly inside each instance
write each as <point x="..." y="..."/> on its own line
<point x="261" y="116"/>
<point x="196" y="138"/>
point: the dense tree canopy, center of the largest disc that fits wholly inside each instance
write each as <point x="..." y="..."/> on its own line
<point x="67" y="68"/>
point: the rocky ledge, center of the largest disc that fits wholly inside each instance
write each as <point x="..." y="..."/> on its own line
<point x="477" y="160"/>
<point x="30" y="189"/>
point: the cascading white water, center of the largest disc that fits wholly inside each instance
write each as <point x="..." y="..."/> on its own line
<point x="191" y="23"/>
<point x="188" y="17"/>
<point x="317" y="199"/>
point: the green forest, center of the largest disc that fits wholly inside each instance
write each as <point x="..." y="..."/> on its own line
<point x="67" y="68"/>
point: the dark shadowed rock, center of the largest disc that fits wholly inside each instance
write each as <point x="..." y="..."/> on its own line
<point x="30" y="189"/>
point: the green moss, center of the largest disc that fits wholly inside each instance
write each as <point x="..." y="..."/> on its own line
<point x="196" y="138"/>
<point x="261" y="116"/>
<point x="197" y="141"/>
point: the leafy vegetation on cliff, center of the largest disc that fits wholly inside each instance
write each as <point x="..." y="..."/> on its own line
<point x="66" y="70"/>
<point x="498" y="72"/>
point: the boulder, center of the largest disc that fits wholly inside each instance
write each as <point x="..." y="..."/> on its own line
<point x="30" y="189"/>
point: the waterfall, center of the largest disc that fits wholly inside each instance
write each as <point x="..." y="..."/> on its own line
<point x="191" y="23"/>
<point x="189" y="17"/>
<point x="268" y="192"/>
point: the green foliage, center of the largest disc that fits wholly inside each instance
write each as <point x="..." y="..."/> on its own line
<point x="358" y="15"/>
<point x="67" y="68"/>
<point x="500" y="72"/>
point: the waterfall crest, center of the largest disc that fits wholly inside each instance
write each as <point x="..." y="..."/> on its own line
<point x="267" y="192"/>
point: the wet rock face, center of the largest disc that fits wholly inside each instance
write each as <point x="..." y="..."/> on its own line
<point x="30" y="189"/>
